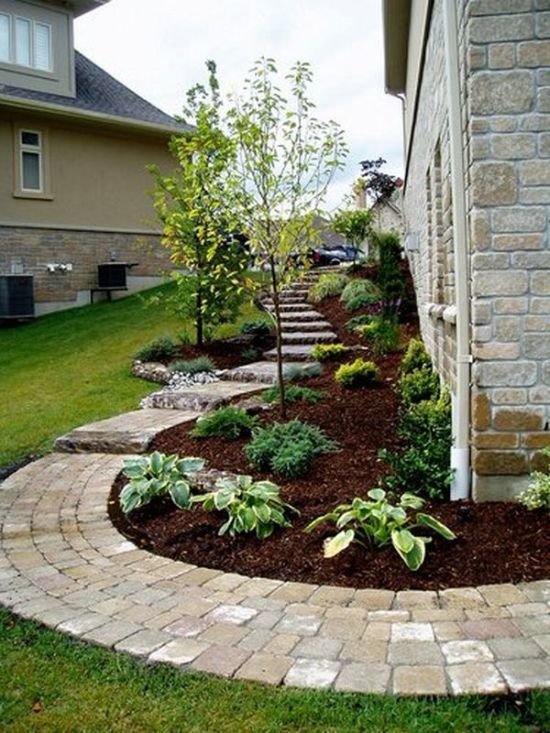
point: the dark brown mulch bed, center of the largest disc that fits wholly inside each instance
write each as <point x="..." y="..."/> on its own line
<point x="497" y="542"/>
<point x="229" y="353"/>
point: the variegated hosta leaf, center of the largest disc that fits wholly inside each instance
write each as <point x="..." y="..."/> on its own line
<point x="156" y="461"/>
<point x="339" y="542"/>
<point x="190" y="464"/>
<point x="180" y="493"/>
<point x="403" y="540"/>
<point x="428" y="521"/>
<point x="411" y="500"/>
<point x="376" y="494"/>
<point x="416" y="555"/>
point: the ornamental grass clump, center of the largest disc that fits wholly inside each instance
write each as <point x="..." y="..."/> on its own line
<point x="230" y="423"/>
<point x="294" y="393"/>
<point x="359" y="373"/>
<point x="192" y="366"/>
<point x="383" y="333"/>
<point x="251" y="506"/>
<point x="328" y="352"/>
<point x="375" y="522"/>
<point x="328" y="285"/>
<point x="537" y="494"/>
<point x="161" y="348"/>
<point x="360" y="293"/>
<point x="159" y="475"/>
<point x="287" y="449"/>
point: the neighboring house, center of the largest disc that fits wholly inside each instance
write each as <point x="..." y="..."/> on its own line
<point x="387" y="213"/>
<point x="74" y="144"/>
<point x="474" y="76"/>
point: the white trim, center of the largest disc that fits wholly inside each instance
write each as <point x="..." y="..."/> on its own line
<point x="79" y="228"/>
<point x="37" y="150"/>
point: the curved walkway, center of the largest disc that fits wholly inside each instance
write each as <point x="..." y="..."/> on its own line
<point x="63" y="564"/>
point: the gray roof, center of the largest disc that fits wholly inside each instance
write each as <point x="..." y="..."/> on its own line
<point x="98" y="92"/>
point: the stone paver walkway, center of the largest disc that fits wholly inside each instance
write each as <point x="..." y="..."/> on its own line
<point x="63" y="564"/>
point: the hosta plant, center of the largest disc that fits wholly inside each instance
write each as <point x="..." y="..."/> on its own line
<point x="159" y="475"/>
<point x="251" y="506"/>
<point x="376" y="522"/>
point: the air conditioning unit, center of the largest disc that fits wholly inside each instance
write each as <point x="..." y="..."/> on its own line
<point x="112" y="275"/>
<point x="16" y="296"/>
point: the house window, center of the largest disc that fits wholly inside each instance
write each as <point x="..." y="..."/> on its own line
<point x="31" y="161"/>
<point x="25" y="42"/>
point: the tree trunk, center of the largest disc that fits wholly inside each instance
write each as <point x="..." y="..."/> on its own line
<point x="279" y="344"/>
<point x="199" y="323"/>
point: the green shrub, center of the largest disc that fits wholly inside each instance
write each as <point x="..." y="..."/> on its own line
<point x="384" y="333"/>
<point x="294" y="393"/>
<point x="287" y="448"/>
<point x="257" y="327"/>
<point x="158" y="475"/>
<point x="295" y="372"/>
<point x="251" y="353"/>
<point x="416" y="357"/>
<point x="424" y="465"/>
<point x="230" y="423"/>
<point x="379" y="523"/>
<point x="329" y="284"/>
<point x="327" y="352"/>
<point x="362" y="320"/>
<point x="537" y="494"/>
<point x="359" y="373"/>
<point x="250" y="506"/>
<point x="390" y="277"/>
<point x="192" y="366"/>
<point x="422" y="384"/>
<point x="360" y="293"/>
<point x="161" y="348"/>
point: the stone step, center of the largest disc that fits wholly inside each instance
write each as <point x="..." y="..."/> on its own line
<point x="309" y="315"/>
<point x="285" y="298"/>
<point x="291" y="352"/>
<point x="266" y="371"/>
<point x="131" y="432"/>
<point x="302" y="305"/>
<point x="307" y="325"/>
<point x="204" y="397"/>
<point x="308" y="337"/>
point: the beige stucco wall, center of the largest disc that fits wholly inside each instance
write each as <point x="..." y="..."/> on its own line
<point x="97" y="177"/>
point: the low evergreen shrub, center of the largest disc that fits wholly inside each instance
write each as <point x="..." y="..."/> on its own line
<point x="230" y="423"/>
<point x="287" y="449"/>
<point x="421" y="384"/>
<point x="327" y="352"/>
<point x="192" y="366"/>
<point x="416" y="357"/>
<point x="294" y="393"/>
<point x="384" y="333"/>
<point x="161" y="348"/>
<point x="360" y="293"/>
<point x="257" y="327"/>
<point x="359" y="373"/>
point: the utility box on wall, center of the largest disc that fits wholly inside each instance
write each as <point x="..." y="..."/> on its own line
<point x="112" y="275"/>
<point x="16" y="296"/>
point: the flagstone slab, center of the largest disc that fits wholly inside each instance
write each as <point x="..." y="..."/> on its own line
<point x="204" y="397"/>
<point x="266" y="371"/>
<point x="298" y="352"/>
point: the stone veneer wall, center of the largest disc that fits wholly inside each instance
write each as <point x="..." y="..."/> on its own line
<point x="507" y="106"/>
<point x="505" y="79"/>
<point x="31" y="250"/>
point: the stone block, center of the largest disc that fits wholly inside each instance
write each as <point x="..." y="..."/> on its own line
<point x="536" y="346"/>
<point x="496" y="350"/>
<point x="525" y="674"/>
<point x="495" y="440"/>
<point x="363" y="678"/>
<point x="419" y="680"/>
<point x="481" y="411"/>
<point x="502" y="56"/>
<point x="494" y="184"/>
<point x="315" y="673"/>
<point x="498" y="7"/>
<point x="534" y="54"/>
<point x="518" y="146"/>
<point x="407" y="599"/>
<point x="490" y="261"/>
<point x="501" y="92"/>
<point x="542" y="25"/>
<point x="476" y="678"/>
<point x="536" y="440"/>
<point x="179" y="652"/>
<point x="535" y="173"/>
<point x="318" y="647"/>
<point x="143" y="643"/>
<point x="510" y="306"/>
<point x="373" y="599"/>
<point x="281" y="644"/>
<point x="479" y="229"/>
<point x="514" y="648"/>
<point x="461" y="598"/>
<point x="221" y="660"/>
<point x="412" y="632"/>
<point x="529" y="219"/>
<point x="509" y="396"/>
<point x="496" y="28"/>
<point x="507" y="328"/>
<point x="499" y="282"/>
<point x="518" y="418"/>
<point x="414" y="652"/>
<point x="513" y="242"/>
<point x="462" y="651"/>
<point x="265" y="668"/>
<point x="490" y="628"/>
<point x="510" y="374"/>
<point x="496" y="463"/>
<point x="367" y="650"/>
<point x="540" y="283"/>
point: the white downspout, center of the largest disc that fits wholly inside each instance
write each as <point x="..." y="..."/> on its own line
<point x="460" y="455"/>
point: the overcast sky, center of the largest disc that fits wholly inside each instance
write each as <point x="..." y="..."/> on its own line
<point x="158" y="49"/>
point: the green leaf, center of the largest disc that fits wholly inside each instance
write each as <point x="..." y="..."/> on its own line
<point x="402" y="539"/>
<point x="339" y="542"/>
<point x="191" y="464"/>
<point x="415" y="557"/>
<point x="155" y="462"/>
<point x="332" y="517"/>
<point x="376" y="494"/>
<point x="223" y="498"/>
<point x="180" y="493"/>
<point x="262" y="512"/>
<point x="428" y="521"/>
<point x="411" y="500"/>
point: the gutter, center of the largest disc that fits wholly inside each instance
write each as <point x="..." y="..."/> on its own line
<point x="33" y="105"/>
<point x="460" y="452"/>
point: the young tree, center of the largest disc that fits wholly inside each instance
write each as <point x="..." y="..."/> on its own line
<point x="353" y="224"/>
<point x="195" y="206"/>
<point x="286" y="160"/>
<point x="378" y="185"/>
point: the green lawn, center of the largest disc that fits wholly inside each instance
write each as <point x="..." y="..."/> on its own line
<point x="69" y="368"/>
<point x="51" y="683"/>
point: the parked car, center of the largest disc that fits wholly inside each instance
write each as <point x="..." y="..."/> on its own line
<point x="346" y="253"/>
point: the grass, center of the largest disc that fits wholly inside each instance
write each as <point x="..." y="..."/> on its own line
<point x="51" y="683"/>
<point x="70" y="368"/>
